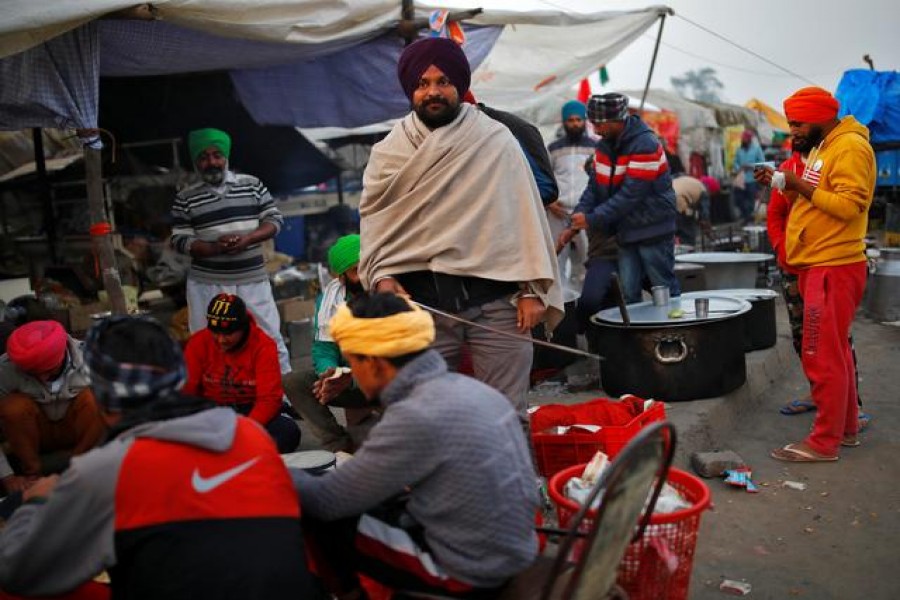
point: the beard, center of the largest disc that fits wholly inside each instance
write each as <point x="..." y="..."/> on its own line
<point x="574" y="133"/>
<point x="355" y="288"/>
<point x="804" y="144"/>
<point x="439" y="118"/>
<point x="213" y="175"/>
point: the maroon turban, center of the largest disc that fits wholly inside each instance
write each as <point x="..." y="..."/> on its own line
<point x="811" y="105"/>
<point x="37" y="347"/>
<point x="443" y="53"/>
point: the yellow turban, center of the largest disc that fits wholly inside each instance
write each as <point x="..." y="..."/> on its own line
<point x="387" y="337"/>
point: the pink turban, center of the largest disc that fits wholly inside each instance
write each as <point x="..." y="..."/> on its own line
<point x="811" y="105"/>
<point x="37" y="347"/>
<point x="443" y="53"/>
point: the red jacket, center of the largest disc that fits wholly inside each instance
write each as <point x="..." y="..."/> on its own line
<point x="249" y="375"/>
<point x="778" y="211"/>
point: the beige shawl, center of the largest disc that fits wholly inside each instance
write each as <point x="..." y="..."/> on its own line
<point x="459" y="200"/>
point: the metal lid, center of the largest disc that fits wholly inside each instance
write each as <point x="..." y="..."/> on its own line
<point x="723" y="257"/>
<point x="686" y="266"/>
<point x="313" y="461"/>
<point x="643" y="314"/>
<point x="748" y="294"/>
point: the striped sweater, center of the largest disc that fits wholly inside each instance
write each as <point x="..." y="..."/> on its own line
<point x="238" y="206"/>
<point x="631" y="192"/>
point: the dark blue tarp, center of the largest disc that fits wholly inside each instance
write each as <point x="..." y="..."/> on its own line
<point x="136" y="109"/>
<point x="873" y="97"/>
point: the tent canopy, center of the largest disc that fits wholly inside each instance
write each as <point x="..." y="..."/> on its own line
<point x="294" y="62"/>
<point x="774" y="118"/>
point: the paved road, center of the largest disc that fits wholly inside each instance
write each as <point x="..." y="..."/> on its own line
<point x="838" y="539"/>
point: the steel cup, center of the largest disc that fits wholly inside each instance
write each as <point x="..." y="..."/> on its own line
<point x="701" y="308"/>
<point x="660" y="295"/>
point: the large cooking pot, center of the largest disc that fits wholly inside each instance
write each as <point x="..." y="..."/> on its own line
<point x="759" y="327"/>
<point x="690" y="276"/>
<point x="728" y="270"/>
<point x="883" y="295"/>
<point x="672" y="359"/>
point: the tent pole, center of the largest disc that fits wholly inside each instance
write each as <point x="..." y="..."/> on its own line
<point x="102" y="243"/>
<point x="662" y="22"/>
<point x="407" y="29"/>
<point x="40" y="161"/>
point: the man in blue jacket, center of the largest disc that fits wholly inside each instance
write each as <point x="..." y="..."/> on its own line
<point x="630" y="194"/>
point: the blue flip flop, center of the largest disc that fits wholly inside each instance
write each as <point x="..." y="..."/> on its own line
<point x="864" y="420"/>
<point x="797" y="407"/>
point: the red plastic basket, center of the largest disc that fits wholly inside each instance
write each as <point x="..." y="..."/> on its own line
<point x="556" y="452"/>
<point x="658" y="566"/>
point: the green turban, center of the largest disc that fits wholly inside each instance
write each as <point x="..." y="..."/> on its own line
<point x="344" y="254"/>
<point x="201" y="139"/>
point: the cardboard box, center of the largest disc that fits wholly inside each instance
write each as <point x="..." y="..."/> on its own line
<point x="80" y="319"/>
<point x="295" y="309"/>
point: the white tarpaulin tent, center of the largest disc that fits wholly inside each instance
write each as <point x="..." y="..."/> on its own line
<point x="302" y="58"/>
<point x="699" y="129"/>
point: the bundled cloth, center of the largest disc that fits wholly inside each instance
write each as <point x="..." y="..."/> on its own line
<point x="601" y="411"/>
<point x="419" y="211"/>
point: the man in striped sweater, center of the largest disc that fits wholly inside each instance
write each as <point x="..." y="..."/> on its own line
<point x="630" y="194"/>
<point x="220" y="223"/>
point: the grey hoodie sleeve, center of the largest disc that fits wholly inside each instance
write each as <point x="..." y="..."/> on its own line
<point x="400" y="451"/>
<point x="51" y="547"/>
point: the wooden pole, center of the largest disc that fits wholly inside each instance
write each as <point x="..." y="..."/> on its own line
<point x="101" y="242"/>
<point x="40" y="161"/>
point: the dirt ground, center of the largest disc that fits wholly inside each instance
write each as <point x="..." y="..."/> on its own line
<point x="838" y="538"/>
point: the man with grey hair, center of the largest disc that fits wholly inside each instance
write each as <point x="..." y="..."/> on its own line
<point x="220" y="223"/>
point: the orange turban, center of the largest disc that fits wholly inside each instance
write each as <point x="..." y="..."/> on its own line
<point x="811" y="105"/>
<point x="37" y="347"/>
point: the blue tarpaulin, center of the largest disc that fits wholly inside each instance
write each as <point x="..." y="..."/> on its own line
<point x="873" y="97"/>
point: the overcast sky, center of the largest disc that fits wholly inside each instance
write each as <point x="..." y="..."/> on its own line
<point x="816" y="39"/>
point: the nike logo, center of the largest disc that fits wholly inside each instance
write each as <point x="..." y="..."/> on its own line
<point x="203" y="485"/>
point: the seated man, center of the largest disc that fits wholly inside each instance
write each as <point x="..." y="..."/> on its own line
<point x="314" y="391"/>
<point x="452" y="445"/>
<point x="234" y="363"/>
<point x="45" y="404"/>
<point x="186" y="500"/>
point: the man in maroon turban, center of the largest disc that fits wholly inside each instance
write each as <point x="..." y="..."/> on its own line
<point x="451" y="215"/>
<point x="45" y="402"/>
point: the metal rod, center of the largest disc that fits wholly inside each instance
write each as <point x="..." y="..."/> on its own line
<point x="40" y="162"/>
<point x="662" y="22"/>
<point x="514" y="336"/>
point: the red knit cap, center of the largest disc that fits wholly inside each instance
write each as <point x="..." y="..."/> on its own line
<point x="37" y="347"/>
<point x="811" y="105"/>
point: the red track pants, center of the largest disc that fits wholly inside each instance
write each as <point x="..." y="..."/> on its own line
<point x="831" y="296"/>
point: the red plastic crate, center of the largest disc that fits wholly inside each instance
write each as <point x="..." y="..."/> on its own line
<point x="555" y="452"/>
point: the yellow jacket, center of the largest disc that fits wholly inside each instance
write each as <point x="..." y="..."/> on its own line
<point x="829" y="228"/>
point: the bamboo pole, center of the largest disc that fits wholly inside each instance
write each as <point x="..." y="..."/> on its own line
<point x="101" y="242"/>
